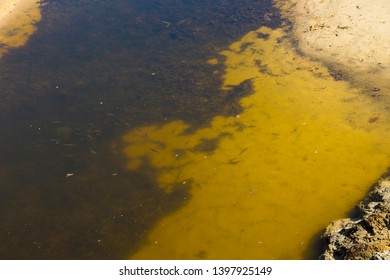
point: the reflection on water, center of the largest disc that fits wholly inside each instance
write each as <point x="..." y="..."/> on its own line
<point x="304" y="150"/>
<point x="91" y="72"/>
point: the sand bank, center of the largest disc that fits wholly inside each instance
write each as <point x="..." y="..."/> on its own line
<point x="17" y="22"/>
<point x="350" y="36"/>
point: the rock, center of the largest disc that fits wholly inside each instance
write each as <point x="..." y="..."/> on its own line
<point x="365" y="237"/>
<point x="385" y="255"/>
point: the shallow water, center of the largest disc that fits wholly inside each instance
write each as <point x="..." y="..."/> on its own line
<point x="163" y="129"/>
<point x="304" y="150"/>
<point x="20" y="25"/>
<point x="91" y="72"/>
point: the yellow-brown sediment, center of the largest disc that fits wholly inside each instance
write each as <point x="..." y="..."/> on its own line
<point x="18" y="24"/>
<point x="302" y="153"/>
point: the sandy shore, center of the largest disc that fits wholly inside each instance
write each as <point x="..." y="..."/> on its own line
<point x="350" y="36"/>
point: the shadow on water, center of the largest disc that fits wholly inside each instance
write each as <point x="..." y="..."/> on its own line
<point x="317" y="245"/>
<point x="93" y="71"/>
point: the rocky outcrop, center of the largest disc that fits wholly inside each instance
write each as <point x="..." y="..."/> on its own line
<point x="365" y="237"/>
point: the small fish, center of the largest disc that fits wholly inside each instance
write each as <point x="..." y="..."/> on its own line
<point x="243" y="151"/>
<point x="373" y="119"/>
<point x="233" y="161"/>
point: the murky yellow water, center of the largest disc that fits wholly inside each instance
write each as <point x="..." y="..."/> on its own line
<point x="17" y="26"/>
<point x="305" y="149"/>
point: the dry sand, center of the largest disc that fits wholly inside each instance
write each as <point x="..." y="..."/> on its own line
<point x="350" y="36"/>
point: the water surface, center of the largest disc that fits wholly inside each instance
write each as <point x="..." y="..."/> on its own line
<point x="304" y="150"/>
<point x="177" y="130"/>
<point x="91" y="72"/>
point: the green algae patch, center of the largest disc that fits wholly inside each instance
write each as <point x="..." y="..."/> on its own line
<point x="304" y="150"/>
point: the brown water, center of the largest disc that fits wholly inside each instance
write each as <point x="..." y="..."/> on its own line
<point x="82" y="80"/>
<point x="164" y="130"/>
